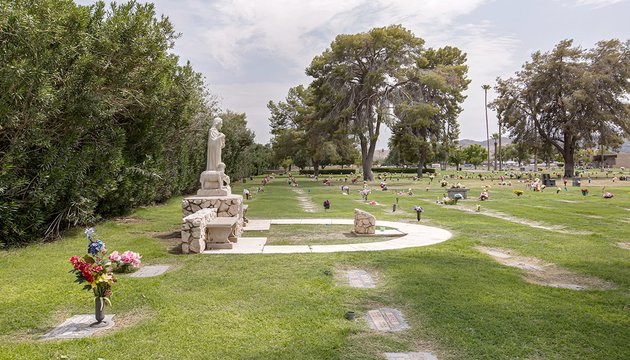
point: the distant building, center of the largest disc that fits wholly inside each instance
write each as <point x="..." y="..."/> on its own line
<point x="612" y="160"/>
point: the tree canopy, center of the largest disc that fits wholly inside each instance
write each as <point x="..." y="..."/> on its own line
<point x="570" y="97"/>
<point x="365" y="80"/>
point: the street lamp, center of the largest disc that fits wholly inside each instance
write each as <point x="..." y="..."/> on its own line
<point x="485" y="97"/>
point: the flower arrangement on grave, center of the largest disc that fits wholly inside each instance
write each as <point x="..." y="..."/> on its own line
<point x="484" y="196"/>
<point x="444" y="183"/>
<point x="584" y="191"/>
<point x="608" y="195"/>
<point x="373" y="202"/>
<point x="419" y="210"/>
<point x="458" y="186"/>
<point x="517" y="192"/>
<point x="126" y="262"/>
<point x="93" y="271"/>
<point x="326" y="204"/>
<point x="365" y="193"/>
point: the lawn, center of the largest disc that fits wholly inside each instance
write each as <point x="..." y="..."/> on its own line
<point x="459" y="302"/>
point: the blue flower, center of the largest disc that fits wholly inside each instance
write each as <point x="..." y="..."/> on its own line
<point x="95" y="247"/>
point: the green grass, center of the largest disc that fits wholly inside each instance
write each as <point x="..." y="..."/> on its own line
<point x="460" y="303"/>
<point x="313" y="235"/>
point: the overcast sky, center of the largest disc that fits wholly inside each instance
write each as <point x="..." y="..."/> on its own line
<point x="253" y="51"/>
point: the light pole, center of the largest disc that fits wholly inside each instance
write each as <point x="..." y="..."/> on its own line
<point x="485" y="98"/>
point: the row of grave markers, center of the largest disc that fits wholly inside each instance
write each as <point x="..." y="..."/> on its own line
<point x="385" y="319"/>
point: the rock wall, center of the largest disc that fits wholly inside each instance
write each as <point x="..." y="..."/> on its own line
<point x="227" y="206"/>
<point x="194" y="230"/>
<point x="364" y="222"/>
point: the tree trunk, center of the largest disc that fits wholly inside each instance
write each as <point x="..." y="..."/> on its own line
<point x="367" y="157"/>
<point x="315" y="168"/>
<point x="420" y="167"/>
<point x="569" y="162"/>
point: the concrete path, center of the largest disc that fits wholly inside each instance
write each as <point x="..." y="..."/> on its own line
<point x="416" y="236"/>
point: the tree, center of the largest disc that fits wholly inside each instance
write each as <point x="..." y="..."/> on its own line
<point x="475" y="154"/>
<point x="427" y="120"/>
<point x="485" y="106"/>
<point x="301" y="133"/>
<point x="570" y="96"/>
<point x="359" y="79"/>
<point x="456" y="157"/>
<point x="239" y="142"/>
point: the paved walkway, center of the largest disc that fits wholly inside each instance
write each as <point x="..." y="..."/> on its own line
<point x="413" y="236"/>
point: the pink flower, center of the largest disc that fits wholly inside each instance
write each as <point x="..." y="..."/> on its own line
<point x="130" y="257"/>
<point x="114" y="256"/>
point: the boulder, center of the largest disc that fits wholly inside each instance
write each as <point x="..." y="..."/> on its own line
<point x="364" y="222"/>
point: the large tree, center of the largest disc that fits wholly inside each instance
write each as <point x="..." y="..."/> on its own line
<point x="569" y="97"/>
<point x="358" y="79"/>
<point x="301" y="132"/>
<point x="426" y="127"/>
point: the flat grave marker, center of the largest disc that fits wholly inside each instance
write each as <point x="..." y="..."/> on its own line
<point x="386" y="319"/>
<point x="78" y="326"/>
<point x="150" y="271"/>
<point x="360" y="279"/>
<point x="411" y="356"/>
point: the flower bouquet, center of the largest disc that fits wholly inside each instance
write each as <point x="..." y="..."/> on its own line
<point x="128" y="262"/>
<point x="518" y="192"/>
<point x="93" y="271"/>
<point x="326" y="204"/>
<point x="584" y="191"/>
<point x="608" y="195"/>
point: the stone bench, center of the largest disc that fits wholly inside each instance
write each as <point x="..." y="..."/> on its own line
<point x="203" y="230"/>
<point x="220" y="233"/>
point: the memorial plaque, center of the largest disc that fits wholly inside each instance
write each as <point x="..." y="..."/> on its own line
<point x="385" y="319"/>
<point x="150" y="271"/>
<point x="78" y="326"/>
<point x="411" y="356"/>
<point x="360" y="279"/>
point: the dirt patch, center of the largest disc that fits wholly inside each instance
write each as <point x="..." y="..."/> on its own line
<point x="306" y="204"/>
<point x="546" y="274"/>
<point x="624" y="245"/>
<point x="168" y="235"/>
<point x="131" y="220"/>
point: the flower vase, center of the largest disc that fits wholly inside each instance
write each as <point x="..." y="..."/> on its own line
<point x="99" y="311"/>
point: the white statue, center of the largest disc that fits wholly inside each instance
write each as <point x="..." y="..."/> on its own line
<point x="216" y="142"/>
<point x="213" y="181"/>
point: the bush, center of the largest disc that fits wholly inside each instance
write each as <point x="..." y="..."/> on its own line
<point x="107" y="121"/>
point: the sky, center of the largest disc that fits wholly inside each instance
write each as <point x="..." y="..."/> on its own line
<point x="253" y="51"/>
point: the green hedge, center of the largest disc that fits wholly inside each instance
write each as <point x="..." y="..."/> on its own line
<point x="328" y="172"/>
<point x="96" y="115"/>
<point x="375" y="169"/>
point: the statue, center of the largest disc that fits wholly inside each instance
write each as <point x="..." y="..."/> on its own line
<point x="213" y="181"/>
<point x="216" y="142"/>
